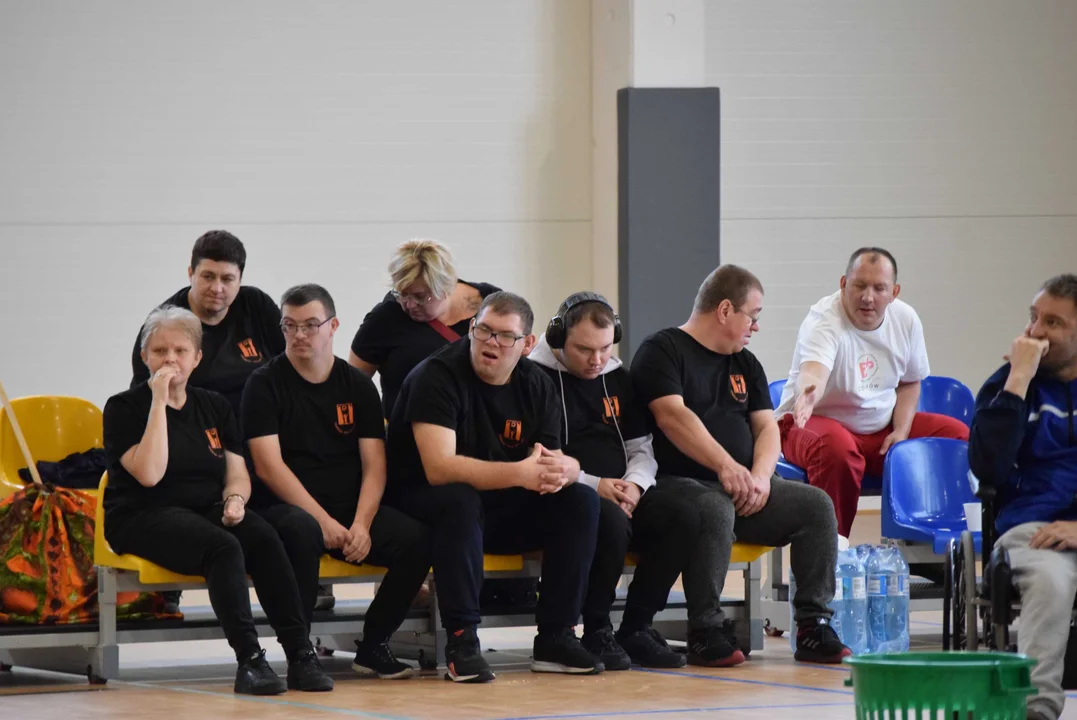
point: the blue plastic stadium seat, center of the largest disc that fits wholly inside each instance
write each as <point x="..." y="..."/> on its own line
<point x="925" y="486"/>
<point x="785" y="469"/>
<point x="947" y="396"/>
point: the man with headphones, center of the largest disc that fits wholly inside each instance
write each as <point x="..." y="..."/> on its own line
<point x="605" y="429"/>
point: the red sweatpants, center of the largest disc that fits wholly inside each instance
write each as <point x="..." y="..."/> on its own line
<point x="836" y="459"/>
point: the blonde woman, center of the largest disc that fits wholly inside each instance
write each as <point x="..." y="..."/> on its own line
<point x="428" y="308"/>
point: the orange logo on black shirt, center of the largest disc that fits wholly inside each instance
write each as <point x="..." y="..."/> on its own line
<point x="345" y="418"/>
<point x="215" y="442"/>
<point x="513" y="432"/>
<point x="249" y="351"/>
<point x="611" y="407"/>
<point x="738" y="388"/>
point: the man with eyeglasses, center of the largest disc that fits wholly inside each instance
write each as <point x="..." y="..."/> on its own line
<point x="316" y="437"/>
<point x="716" y="443"/>
<point x="854" y="384"/>
<point x="474" y="453"/>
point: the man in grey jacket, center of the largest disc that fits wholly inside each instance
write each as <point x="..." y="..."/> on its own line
<point x="606" y="430"/>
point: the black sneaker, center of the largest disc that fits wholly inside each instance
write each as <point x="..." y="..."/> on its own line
<point x="464" y="659"/>
<point x="377" y="659"/>
<point x="648" y="648"/>
<point x="325" y="600"/>
<point x="255" y="677"/>
<point x="305" y="673"/>
<point x="731" y="632"/>
<point x="712" y="647"/>
<point x="562" y="652"/>
<point x="818" y="643"/>
<point x="603" y="647"/>
<point x="171" y="601"/>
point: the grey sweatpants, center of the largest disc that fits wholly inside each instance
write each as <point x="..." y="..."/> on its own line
<point x="796" y="514"/>
<point x="1047" y="581"/>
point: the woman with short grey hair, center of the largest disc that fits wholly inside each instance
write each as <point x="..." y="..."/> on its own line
<point x="177" y="495"/>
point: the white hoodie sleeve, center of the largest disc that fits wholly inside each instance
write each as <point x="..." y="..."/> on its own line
<point x="590" y="481"/>
<point x="642" y="467"/>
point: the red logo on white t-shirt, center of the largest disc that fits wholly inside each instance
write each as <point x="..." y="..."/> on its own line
<point x="867" y="366"/>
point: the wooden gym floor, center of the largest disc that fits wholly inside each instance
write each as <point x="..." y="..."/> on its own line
<point x="194" y="680"/>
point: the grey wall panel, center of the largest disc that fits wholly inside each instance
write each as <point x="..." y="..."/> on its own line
<point x="668" y="196"/>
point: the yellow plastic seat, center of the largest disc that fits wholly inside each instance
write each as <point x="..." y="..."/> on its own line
<point x="330" y="567"/>
<point x="54" y="426"/>
<point x="148" y="573"/>
<point x="152" y="574"/>
<point x="741" y="554"/>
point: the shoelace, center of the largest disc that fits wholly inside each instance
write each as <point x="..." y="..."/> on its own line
<point x="383" y="653"/>
<point x="606" y="640"/>
<point x="258" y="661"/>
<point x="654" y="635"/>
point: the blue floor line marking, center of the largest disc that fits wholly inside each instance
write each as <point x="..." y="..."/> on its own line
<point x="672" y="711"/>
<point x="765" y="683"/>
<point x="833" y="668"/>
<point x="270" y="700"/>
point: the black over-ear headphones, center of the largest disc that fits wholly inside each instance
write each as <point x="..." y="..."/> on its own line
<point x="556" y="332"/>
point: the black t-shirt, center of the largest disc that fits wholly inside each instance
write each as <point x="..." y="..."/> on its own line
<point x="318" y="426"/>
<point x="392" y="341"/>
<point x="591" y="409"/>
<point x="723" y="390"/>
<point x="498" y="423"/>
<point x="199" y="433"/>
<point x="247" y="338"/>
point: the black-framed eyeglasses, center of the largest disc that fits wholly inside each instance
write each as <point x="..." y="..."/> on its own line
<point x="417" y="298"/>
<point x="309" y="327"/>
<point x="504" y="339"/>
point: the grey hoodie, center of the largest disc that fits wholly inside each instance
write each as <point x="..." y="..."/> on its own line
<point x="642" y="467"/>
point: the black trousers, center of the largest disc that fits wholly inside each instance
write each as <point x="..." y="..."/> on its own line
<point x="196" y="542"/>
<point x="662" y="531"/>
<point x="398" y="543"/>
<point x="466" y="523"/>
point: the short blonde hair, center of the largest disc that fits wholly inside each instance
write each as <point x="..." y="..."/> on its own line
<point x="169" y="317"/>
<point x="426" y="260"/>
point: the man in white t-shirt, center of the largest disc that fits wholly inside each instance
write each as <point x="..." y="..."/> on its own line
<point x="854" y="384"/>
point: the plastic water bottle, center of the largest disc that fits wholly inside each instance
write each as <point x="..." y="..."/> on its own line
<point x="792" y="611"/>
<point x="852" y="586"/>
<point x="897" y="602"/>
<point x="875" y="568"/>
<point x="888" y="601"/>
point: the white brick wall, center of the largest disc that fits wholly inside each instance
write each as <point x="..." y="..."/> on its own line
<point x="944" y="130"/>
<point x="325" y="133"/>
<point x="322" y="134"/>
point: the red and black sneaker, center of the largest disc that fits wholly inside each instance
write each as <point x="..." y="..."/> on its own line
<point x="464" y="659"/>
<point x="713" y="647"/>
<point x="817" y="642"/>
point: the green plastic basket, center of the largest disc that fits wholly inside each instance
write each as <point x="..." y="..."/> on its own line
<point x="948" y="686"/>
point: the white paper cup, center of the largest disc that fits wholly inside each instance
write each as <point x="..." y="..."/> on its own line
<point x="974" y="516"/>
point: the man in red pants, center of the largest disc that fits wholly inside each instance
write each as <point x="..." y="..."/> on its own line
<point x="854" y="385"/>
